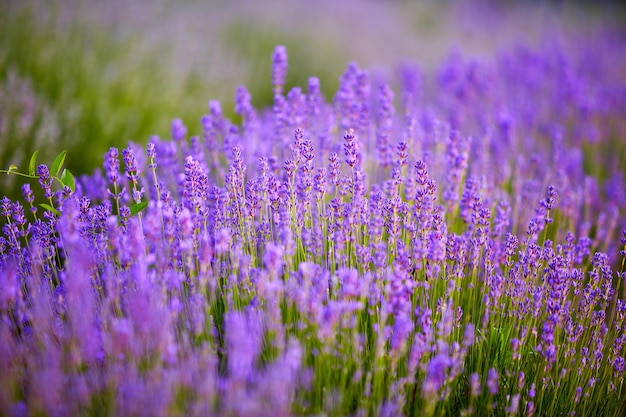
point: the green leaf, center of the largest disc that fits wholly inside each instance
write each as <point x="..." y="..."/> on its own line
<point x="50" y="208"/>
<point x="136" y="208"/>
<point x="32" y="165"/>
<point x="11" y="169"/>
<point x="57" y="164"/>
<point x="68" y="179"/>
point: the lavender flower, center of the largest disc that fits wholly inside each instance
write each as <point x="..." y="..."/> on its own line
<point x="350" y="148"/>
<point x="196" y="184"/>
<point x="130" y="162"/>
<point x="385" y="124"/>
<point x="314" y="97"/>
<point x="45" y="181"/>
<point x="475" y="387"/>
<point x="273" y="258"/>
<point x="179" y="130"/>
<point x="27" y="193"/>
<point x="279" y="69"/>
<point x="492" y="381"/>
<point x="436" y="374"/>
<point x="263" y="279"/>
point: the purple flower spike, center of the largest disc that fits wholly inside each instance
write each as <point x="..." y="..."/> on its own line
<point x="350" y="148"/>
<point x="281" y="266"/>
<point x="27" y="193"/>
<point x="112" y="165"/>
<point x="314" y="96"/>
<point x="468" y="336"/>
<point x="279" y="69"/>
<point x="579" y="392"/>
<point x="222" y="241"/>
<point x="130" y="162"/>
<point x="492" y="381"/>
<point x="550" y="195"/>
<point x="150" y="150"/>
<point x="243" y="101"/>
<point x="385" y="124"/>
<point x="179" y="130"/>
<point x="243" y="339"/>
<point x="350" y="283"/>
<point x="6" y="207"/>
<point x="196" y="184"/>
<point x="475" y="387"/>
<point x="273" y="258"/>
<point x="422" y="173"/>
<point x="514" y="405"/>
<point x="436" y="374"/>
<point x="45" y="181"/>
<point x="334" y="169"/>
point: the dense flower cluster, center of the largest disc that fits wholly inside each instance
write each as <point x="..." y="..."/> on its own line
<point x="451" y="249"/>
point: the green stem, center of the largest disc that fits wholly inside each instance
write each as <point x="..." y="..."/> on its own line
<point x="21" y="174"/>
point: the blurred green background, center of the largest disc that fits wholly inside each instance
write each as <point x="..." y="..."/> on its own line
<point x="88" y="75"/>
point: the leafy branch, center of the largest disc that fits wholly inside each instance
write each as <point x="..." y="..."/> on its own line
<point x="65" y="178"/>
<point x="62" y="176"/>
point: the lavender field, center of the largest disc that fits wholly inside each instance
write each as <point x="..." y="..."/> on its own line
<point x="445" y="238"/>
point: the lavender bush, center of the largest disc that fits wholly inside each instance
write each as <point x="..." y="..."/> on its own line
<point x="428" y="248"/>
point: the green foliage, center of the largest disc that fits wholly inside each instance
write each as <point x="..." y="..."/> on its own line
<point x="50" y="208"/>
<point x="68" y="179"/>
<point x="137" y="208"/>
<point x="57" y="164"/>
<point x="87" y="90"/>
<point x="33" y="163"/>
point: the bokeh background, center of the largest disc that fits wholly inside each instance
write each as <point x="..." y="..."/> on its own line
<point x="88" y="75"/>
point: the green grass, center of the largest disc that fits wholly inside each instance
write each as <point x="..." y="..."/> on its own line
<point x="88" y="88"/>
